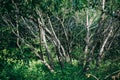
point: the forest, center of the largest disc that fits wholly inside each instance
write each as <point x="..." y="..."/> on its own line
<point x="59" y="39"/>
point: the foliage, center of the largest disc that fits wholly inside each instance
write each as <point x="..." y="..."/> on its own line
<point x="59" y="39"/>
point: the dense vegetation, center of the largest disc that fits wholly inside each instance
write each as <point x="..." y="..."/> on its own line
<point x="59" y="39"/>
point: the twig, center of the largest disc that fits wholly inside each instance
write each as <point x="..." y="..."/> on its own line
<point x="112" y="74"/>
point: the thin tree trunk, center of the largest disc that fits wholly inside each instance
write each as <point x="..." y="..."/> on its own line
<point x="100" y="54"/>
<point x="103" y="5"/>
<point x="86" y="63"/>
<point x="57" y="41"/>
<point x="44" y="42"/>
